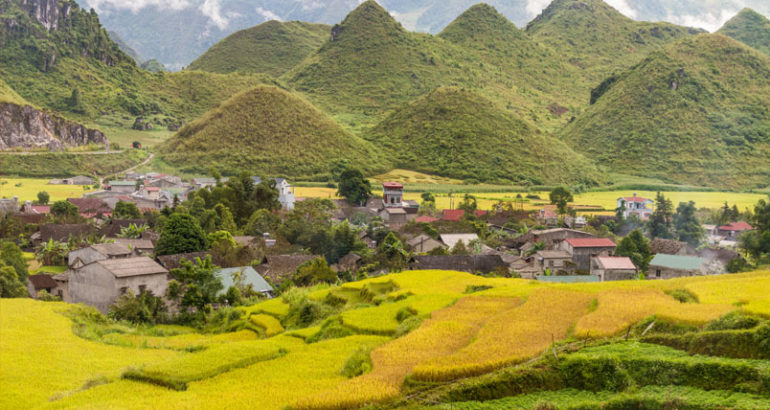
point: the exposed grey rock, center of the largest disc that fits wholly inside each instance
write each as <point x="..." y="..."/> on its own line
<point x="26" y="127"/>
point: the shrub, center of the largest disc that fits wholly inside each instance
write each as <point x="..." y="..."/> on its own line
<point x="360" y="362"/>
<point x="331" y="329"/>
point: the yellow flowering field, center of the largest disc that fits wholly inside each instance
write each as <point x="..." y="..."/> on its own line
<point x="29" y="187"/>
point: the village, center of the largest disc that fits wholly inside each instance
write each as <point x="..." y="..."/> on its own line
<point x="104" y="245"/>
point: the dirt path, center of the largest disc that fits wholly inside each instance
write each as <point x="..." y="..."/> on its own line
<point x="127" y="170"/>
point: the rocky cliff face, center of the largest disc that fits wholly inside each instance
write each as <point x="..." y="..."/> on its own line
<point x="47" y="12"/>
<point x="27" y="128"/>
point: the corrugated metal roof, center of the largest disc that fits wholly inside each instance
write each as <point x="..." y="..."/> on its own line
<point x="568" y="279"/>
<point x="248" y="277"/>
<point x="590" y="243"/>
<point x="616" y="262"/>
<point x="127" y="267"/>
<point x="677" y="262"/>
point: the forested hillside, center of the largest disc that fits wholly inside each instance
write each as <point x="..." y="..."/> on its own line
<point x="751" y="28"/>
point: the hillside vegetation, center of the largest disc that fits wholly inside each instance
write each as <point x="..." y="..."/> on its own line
<point x="694" y="112"/>
<point x="270" y="48"/>
<point x="750" y="28"/>
<point x="598" y="39"/>
<point x="268" y="131"/>
<point x="448" y="131"/>
<point x="624" y="344"/>
<point x="7" y="95"/>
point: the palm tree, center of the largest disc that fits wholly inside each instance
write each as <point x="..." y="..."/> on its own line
<point x="52" y="253"/>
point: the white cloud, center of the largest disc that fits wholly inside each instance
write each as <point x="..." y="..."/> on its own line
<point x="710" y="21"/>
<point x="136" y="5"/>
<point x="213" y="10"/>
<point x="534" y="7"/>
<point x="623" y="7"/>
<point x="268" y="15"/>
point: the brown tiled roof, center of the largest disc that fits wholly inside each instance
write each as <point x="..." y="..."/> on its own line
<point x="175" y="261"/>
<point x="112" y="229"/>
<point x="135" y="243"/>
<point x="463" y="263"/>
<point x="112" y="249"/>
<point x="90" y="205"/>
<point x="127" y="267"/>
<point x="42" y="281"/>
<point x="62" y="232"/>
<point x="34" y="219"/>
<point x="666" y="246"/>
<point x="281" y="267"/>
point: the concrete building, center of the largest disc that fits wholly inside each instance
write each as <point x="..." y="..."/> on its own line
<point x="636" y="206"/>
<point x="84" y="256"/>
<point x="676" y="266"/>
<point x="610" y="268"/>
<point x="286" y="192"/>
<point x="583" y="249"/>
<point x="125" y="187"/>
<point x="555" y="262"/>
<point x="100" y="283"/>
<point x="37" y="283"/>
<point x="392" y="194"/>
<point x="424" y="244"/>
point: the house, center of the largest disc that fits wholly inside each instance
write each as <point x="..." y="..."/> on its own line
<point x="424" y="244"/>
<point x="9" y="206"/>
<point x="62" y="232"/>
<point x="165" y="181"/>
<point x="368" y="240"/>
<point x="91" y="207"/>
<point x="733" y="230"/>
<point x="141" y="247"/>
<point x="149" y="192"/>
<point x="484" y="264"/>
<point x="568" y="279"/>
<point x="171" y="262"/>
<point x="583" y="249"/>
<point x="392" y="194"/>
<point x="394" y="216"/>
<point x="548" y="215"/>
<point x="133" y="176"/>
<point x="82" y="180"/>
<point x="33" y="209"/>
<point x="244" y="276"/>
<point x="676" y="266"/>
<point x="555" y="262"/>
<point x="426" y="219"/>
<point x="114" y="227"/>
<point x="36" y="283"/>
<point x="549" y="237"/>
<point x="455" y="215"/>
<point x="100" y="283"/>
<point x="84" y="256"/>
<point x="349" y="263"/>
<point x="286" y="192"/>
<point x="452" y="239"/>
<point x="203" y="182"/>
<point x="671" y="247"/>
<point x="278" y="268"/>
<point x="636" y="206"/>
<point x="610" y="268"/>
<point x="126" y="187"/>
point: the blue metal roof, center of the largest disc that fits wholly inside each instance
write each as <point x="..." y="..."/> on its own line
<point x="248" y="277"/>
<point x="568" y="279"/>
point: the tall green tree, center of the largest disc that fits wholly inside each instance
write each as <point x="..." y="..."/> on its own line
<point x="560" y="197"/>
<point x="469" y="205"/>
<point x="126" y="210"/>
<point x="11" y="255"/>
<point x="181" y="234"/>
<point x="688" y="228"/>
<point x="660" y="224"/>
<point x="43" y="198"/>
<point x="637" y="248"/>
<point x="761" y="218"/>
<point x="10" y="284"/>
<point x="195" y="285"/>
<point x="313" y="272"/>
<point x="64" y="210"/>
<point x="354" y="187"/>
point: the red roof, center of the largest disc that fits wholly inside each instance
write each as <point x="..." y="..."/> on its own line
<point x="392" y="185"/>
<point x="736" y="227"/>
<point x="41" y="209"/>
<point x="152" y="189"/>
<point x="616" y="262"/>
<point x="636" y="199"/>
<point x="426" y="219"/>
<point x="548" y="213"/>
<point x="457" y="214"/>
<point x="590" y="243"/>
<point x="90" y="205"/>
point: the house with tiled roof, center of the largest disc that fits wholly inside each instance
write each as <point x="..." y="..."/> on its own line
<point x="733" y="230"/>
<point x="455" y="215"/>
<point x="583" y="249"/>
<point x="89" y="207"/>
<point x="610" y="268"/>
<point x="636" y="206"/>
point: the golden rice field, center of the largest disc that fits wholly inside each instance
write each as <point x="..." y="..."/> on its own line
<point x="43" y="364"/>
<point x="606" y="200"/>
<point x="29" y="187"/>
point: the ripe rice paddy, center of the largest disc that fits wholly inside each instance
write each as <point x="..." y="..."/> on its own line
<point x="463" y="333"/>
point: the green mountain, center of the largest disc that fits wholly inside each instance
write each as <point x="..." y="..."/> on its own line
<point x="596" y="38"/>
<point x="268" y="131"/>
<point x="58" y="56"/>
<point x="7" y="95"/>
<point x="751" y="28"/>
<point x="115" y="37"/>
<point x="460" y="134"/>
<point x="693" y="112"/>
<point x="272" y="48"/>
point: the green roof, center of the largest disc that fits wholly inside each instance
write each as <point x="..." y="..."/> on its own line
<point x="677" y="262"/>
<point x="248" y="277"/>
<point x="568" y="279"/>
<point x="122" y="183"/>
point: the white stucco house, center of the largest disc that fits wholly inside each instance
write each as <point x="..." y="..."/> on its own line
<point x="635" y="205"/>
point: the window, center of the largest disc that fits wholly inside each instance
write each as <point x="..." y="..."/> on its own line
<point x="550" y="264"/>
<point x="123" y="290"/>
<point x="142" y="288"/>
<point x="657" y="273"/>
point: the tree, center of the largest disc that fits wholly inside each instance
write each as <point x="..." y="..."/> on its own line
<point x="11" y="255"/>
<point x="64" y="210"/>
<point x="126" y="210"/>
<point x="428" y="197"/>
<point x="460" y="249"/>
<point x="392" y="252"/>
<point x="660" y="224"/>
<point x="354" y="187"/>
<point x="196" y="284"/>
<point x="133" y="231"/>
<point x="142" y="308"/>
<point x="469" y="205"/>
<point x="10" y="285"/>
<point x="621" y="211"/>
<point x="224" y="219"/>
<point x="43" y="198"/>
<point x="560" y="197"/>
<point x="428" y="205"/>
<point x="637" y="248"/>
<point x="688" y="228"/>
<point x="181" y="234"/>
<point x="52" y="253"/>
<point x="75" y="102"/>
<point x="761" y="219"/>
<point x="262" y="221"/>
<point x="313" y="272"/>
